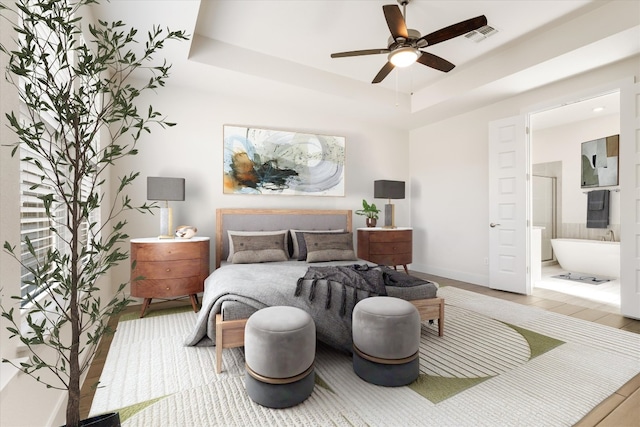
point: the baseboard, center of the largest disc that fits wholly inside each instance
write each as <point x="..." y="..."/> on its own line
<point x="476" y="279"/>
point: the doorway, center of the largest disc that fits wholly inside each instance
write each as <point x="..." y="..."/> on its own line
<point x="559" y="202"/>
<point x="544" y="205"/>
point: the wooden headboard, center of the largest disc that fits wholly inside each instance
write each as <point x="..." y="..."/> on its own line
<point x="275" y="219"/>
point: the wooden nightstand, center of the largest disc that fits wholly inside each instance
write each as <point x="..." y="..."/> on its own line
<point x="387" y="246"/>
<point x="170" y="267"/>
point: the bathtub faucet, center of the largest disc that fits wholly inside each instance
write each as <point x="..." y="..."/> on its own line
<point x="611" y="236"/>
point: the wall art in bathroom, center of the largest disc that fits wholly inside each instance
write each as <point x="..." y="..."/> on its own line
<point x="600" y="162"/>
<point x="266" y="161"/>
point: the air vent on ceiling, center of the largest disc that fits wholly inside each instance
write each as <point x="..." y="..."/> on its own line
<point x="481" y="33"/>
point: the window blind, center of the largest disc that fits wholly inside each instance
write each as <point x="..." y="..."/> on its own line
<point x="46" y="233"/>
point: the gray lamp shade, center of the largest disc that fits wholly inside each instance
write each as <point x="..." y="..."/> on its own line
<point x="384" y="189"/>
<point x="161" y="188"/>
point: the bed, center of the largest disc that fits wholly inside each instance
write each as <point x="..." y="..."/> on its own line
<point x="236" y="290"/>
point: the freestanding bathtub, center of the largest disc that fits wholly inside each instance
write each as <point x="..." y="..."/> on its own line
<point x="588" y="256"/>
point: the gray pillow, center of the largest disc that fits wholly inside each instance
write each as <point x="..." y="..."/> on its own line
<point x="259" y="248"/>
<point x="231" y="233"/>
<point x="323" y="247"/>
<point x="297" y="241"/>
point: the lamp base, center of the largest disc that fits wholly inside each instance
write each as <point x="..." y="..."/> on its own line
<point x="389" y="216"/>
<point x="166" y="223"/>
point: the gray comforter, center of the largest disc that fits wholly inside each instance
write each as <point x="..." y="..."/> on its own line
<point x="270" y="284"/>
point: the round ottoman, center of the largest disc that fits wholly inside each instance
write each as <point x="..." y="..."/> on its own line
<point x="280" y="347"/>
<point x="386" y="339"/>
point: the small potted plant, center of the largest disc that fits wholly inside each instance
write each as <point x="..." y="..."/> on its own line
<point x="370" y="211"/>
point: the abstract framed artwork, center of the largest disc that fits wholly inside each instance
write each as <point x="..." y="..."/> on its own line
<point x="266" y="161"/>
<point x="600" y="162"/>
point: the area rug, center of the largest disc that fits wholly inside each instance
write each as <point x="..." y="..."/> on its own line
<point x="498" y="364"/>
<point x="582" y="278"/>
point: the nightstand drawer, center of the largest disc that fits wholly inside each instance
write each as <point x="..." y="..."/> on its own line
<point x="165" y="288"/>
<point x="390" y="236"/>
<point x="167" y="269"/>
<point x="390" y="248"/>
<point x="166" y="252"/>
<point x="390" y="259"/>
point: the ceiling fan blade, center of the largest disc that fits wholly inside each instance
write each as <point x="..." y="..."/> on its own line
<point x="359" y="53"/>
<point x="433" y="61"/>
<point x="395" y="21"/>
<point x="454" y="30"/>
<point x="384" y="72"/>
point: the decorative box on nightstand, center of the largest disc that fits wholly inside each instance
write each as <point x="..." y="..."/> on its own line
<point x="387" y="246"/>
<point x="170" y="268"/>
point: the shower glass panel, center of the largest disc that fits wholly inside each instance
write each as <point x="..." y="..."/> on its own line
<point x="544" y="211"/>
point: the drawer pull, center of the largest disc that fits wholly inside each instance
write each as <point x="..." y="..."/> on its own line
<point x="168" y="270"/>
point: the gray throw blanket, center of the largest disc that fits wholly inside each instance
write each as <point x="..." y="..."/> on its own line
<point x="356" y="277"/>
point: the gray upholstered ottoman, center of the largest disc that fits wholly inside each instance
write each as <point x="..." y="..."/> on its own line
<point x="386" y="339"/>
<point x="280" y="347"/>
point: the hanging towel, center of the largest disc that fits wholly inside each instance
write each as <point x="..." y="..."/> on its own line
<point x="598" y="209"/>
<point x="596" y="199"/>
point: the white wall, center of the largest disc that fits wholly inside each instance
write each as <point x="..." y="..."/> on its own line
<point x="563" y="143"/>
<point x="449" y="206"/>
<point x="9" y="194"/>
<point x="193" y="150"/>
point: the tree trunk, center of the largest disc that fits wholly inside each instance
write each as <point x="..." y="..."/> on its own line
<point x="74" y="209"/>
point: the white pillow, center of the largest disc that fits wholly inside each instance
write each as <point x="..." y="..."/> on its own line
<point x="294" y="239"/>
<point x="254" y="233"/>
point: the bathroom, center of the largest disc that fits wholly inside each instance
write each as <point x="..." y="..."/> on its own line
<point x="559" y="202"/>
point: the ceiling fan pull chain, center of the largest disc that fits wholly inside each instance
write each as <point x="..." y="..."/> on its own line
<point x="411" y="81"/>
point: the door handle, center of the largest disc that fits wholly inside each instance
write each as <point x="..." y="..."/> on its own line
<point x="493" y="225"/>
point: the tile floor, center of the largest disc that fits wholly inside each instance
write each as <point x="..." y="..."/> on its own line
<point x="604" y="296"/>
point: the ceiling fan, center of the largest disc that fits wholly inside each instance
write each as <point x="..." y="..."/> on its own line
<point x="404" y="44"/>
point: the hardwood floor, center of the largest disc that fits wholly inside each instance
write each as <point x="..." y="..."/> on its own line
<point x="621" y="409"/>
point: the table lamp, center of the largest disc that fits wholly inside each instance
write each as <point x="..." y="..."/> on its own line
<point x="384" y="189"/>
<point x="165" y="189"/>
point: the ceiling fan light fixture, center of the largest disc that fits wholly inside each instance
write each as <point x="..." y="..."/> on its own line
<point x="404" y="56"/>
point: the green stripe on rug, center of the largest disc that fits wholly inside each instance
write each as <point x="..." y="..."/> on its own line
<point x="320" y="382"/>
<point x="436" y="389"/>
<point x="538" y="343"/>
<point x="155" y="313"/>
<point x="130" y="411"/>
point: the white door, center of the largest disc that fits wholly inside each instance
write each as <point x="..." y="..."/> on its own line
<point x="630" y="200"/>
<point x="508" y="206"/>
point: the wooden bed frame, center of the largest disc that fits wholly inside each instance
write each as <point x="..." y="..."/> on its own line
<point x="230" y="333"/>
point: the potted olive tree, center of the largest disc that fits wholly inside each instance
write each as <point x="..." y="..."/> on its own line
<point x="74" y="86"/>
<point x="370" y="211"/>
